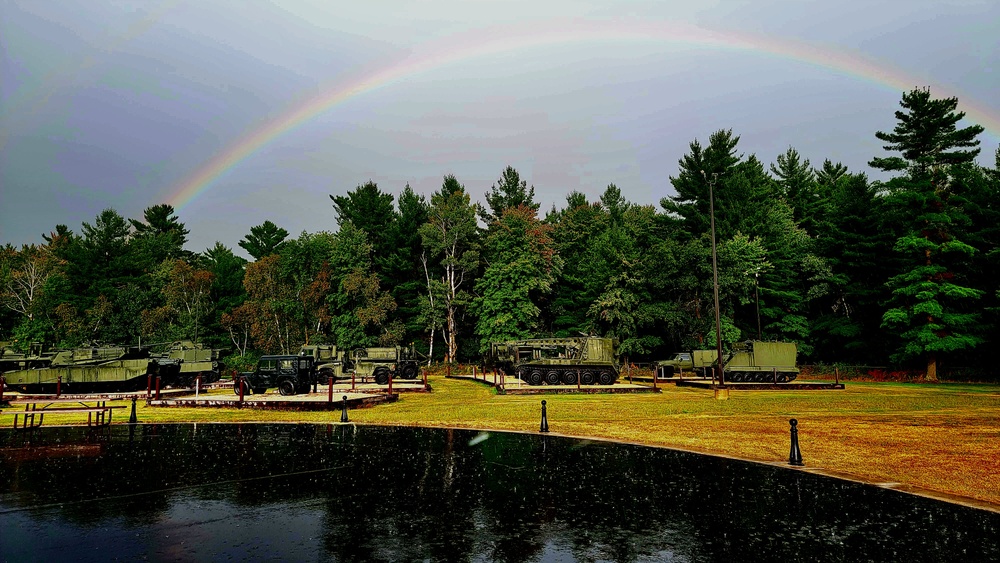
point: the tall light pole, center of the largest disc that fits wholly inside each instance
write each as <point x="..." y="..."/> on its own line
<point x="715" y="278"/>
<point x="756" y="297"/>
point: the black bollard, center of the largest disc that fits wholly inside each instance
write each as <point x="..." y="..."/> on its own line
<point x="343" y="412"/>
<point x="545" y="421"/>
<point x="132" y="419"/>
<point x="794" y="455"/>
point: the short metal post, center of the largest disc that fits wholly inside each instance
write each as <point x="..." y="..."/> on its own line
<point x="774" y="372"/>
<point x="149" y="386"/>
<point x="132" y="418"/>
<point x="425" y="377"/>
<point x="58" y="386"/>
<point x="794" y="455"/>
<point x="836" y="374"/>
<point x="352" y="380"/>
<point x="197" y="386"/>
<point x="239" y="381"/>
<point x="390" y="383"/>
<point x="157" y="388"/>
<point x="545" y="421"/>
<point x="343" y="411"/>
<point x="577" y="379"/>
<point x="329" y="390"/>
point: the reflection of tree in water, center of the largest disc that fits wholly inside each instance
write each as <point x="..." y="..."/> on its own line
<point x="390" y="494"/>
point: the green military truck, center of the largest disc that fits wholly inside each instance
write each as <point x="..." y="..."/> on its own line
<point x="329" y="361"/>
<point x="290" y="374"/>
<point x="382" y="362"/>
<point x="694" y="361"/>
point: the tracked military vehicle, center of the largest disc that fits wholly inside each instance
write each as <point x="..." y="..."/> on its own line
<point x="35" y="357"/>
<point x="748" y="362"/>
<point x="755" y="361"/>
<point x="191" y="360"/>
<point x="93" y="369"/>
<point x="555" y="361"/>
<point x="380" y="363"/>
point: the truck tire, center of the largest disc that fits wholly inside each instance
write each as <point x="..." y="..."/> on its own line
<point x="606" y="378"/>
<point x="587" y="378"/>
<point x="382" y="376"/>
<point x="552" y="378"/>
<point x="410" y="372"/>
<point x="286" y="387"/>
<point x="535" y="377"/>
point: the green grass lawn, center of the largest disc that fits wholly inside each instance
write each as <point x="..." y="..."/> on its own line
<point x="943" y="439"/>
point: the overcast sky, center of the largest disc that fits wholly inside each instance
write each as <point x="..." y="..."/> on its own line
<point x="127" y="104"/>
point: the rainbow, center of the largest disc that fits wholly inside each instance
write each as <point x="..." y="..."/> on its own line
<point x="506" y="39"/>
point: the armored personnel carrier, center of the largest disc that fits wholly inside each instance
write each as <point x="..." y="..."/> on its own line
<point x="92" y="369"/>
<point x="748" y="362"/>
<point x="761" y="362"/>
<point x="555" y="361"/>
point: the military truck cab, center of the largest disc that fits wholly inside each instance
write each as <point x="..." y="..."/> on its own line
<point x="290" y="374"/>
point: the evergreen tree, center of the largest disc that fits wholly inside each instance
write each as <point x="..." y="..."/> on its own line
<point x="264" y="240"/>
<point x="929" y="309"/>
<point x="508" y="192"/>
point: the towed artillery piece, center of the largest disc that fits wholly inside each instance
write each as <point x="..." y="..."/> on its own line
<point x="753" y="361"/>
<point x="555" y="361"/>
<point x="94" y="369"/>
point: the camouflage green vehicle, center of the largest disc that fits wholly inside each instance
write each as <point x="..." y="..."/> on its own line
<point x="761" y="362"/>
<point x="329" y="361"/>
<point x="290" y="374"/>
<point x="693" y="361"/>
<point x="192" y="360"/>
<point x="380" y="363"/>
<point x="555" y="361"/>
<point x="93" y="369"/>
<point x="748" y="362"/>
<point x="12" y="359"/>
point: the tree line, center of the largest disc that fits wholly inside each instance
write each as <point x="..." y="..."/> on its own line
<point x="899" y="272"/>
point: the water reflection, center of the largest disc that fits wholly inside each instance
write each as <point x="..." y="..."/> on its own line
<point x="346" y="493"/>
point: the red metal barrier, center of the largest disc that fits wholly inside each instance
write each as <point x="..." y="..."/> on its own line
<point x="390" y="383"/>
<point x="352" y="381"/>
<point x="157" y="388"/>
<point x="58" y="386"/>
<point x="149" y="386"/>
<point x="239" y="381"/>
<point x="329" y="391"/>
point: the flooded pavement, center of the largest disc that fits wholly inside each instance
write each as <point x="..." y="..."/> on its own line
<point x="348" y="493"/>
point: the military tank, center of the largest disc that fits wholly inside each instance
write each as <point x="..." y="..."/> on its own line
<point x="555" y="361"/>
<point x="191" y="360"/>
<point x="12" y="359"/>
<point x="93" y="369"/>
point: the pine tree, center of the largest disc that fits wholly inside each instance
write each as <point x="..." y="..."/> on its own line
<point x="929" y="305"/>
